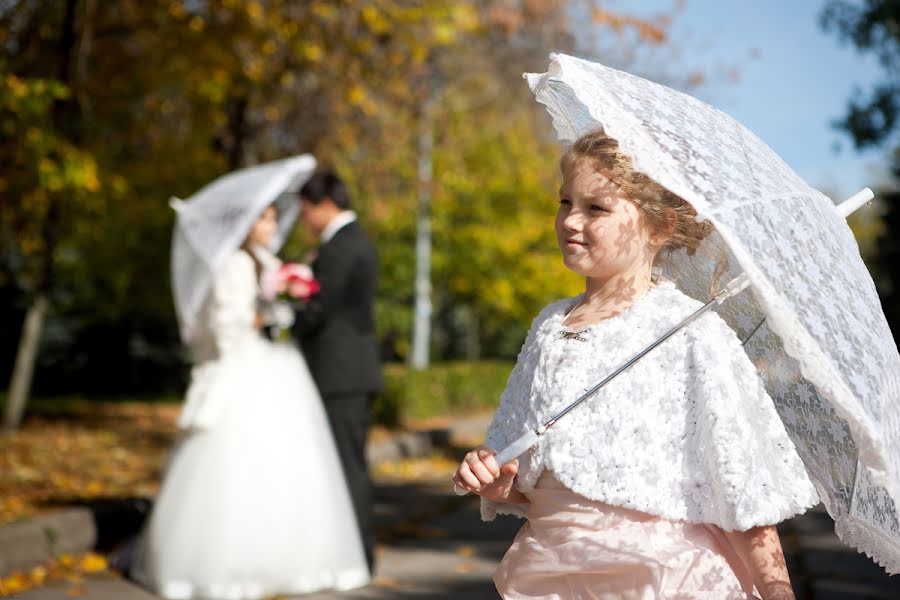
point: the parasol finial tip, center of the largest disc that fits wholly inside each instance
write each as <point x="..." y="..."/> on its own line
<point x="851" y="204"/>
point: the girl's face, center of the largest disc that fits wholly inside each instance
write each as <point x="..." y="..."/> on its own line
<point x="600" y="232"/>
<point x="264" y="229"/>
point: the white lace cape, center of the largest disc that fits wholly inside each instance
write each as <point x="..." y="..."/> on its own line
<point x="689" y="433"/>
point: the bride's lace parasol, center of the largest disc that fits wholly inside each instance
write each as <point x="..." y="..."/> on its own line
<point x="213" y="223"/>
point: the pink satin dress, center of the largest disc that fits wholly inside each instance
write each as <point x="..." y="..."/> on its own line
<point x="575" y="548"/>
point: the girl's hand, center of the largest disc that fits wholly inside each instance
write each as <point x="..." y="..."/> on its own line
<point x="480" y="473"/>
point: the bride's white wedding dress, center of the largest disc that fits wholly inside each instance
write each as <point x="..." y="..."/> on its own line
<point x="253" y="501"/>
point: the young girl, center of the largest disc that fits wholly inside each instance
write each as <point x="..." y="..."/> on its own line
<point x="669" y="481"/>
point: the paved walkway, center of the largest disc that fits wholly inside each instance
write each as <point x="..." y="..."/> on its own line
<point x="824" y="568"/>
<point x="433" y="545"/>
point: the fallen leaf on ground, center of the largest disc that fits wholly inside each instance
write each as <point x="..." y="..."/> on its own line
<point x="384" y="582"/>
<point x="99" y="449"/>
<point x="464" y="568"/>
<point x="66" y="568"/>
<point x="93" y="563"/>
<point x="427" y="468"/>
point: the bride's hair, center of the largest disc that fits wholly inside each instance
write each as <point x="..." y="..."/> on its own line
<point x="663" y="210"/>
<point x="247" y="247"/>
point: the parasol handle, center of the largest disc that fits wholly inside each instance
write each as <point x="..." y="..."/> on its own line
<point x="848" y="206"/>
<point x="508" y="454"/>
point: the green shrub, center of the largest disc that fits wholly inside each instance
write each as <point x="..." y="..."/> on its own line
<point x="452" y="388"/>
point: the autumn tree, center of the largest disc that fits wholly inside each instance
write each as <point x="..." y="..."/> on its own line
<point x="50" y="185"/>
<point x="109" y="108"/>
<point x="221" y="84"/>
<point x="464" y="104"/>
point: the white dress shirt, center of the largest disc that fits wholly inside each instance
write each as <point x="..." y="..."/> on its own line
<point x="336" y="224"/>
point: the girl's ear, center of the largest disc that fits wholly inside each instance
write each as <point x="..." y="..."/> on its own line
<point x="663" y="232"/>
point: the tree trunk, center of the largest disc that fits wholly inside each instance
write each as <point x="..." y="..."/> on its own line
<point x="473" y="337"/>
<point x="421" y="341"/>
<point x="20" y="384"/>
<point x="237" y="131"/>
<point x="66" y="119"/>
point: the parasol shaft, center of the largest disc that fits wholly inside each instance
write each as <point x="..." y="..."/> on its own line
<point x="732" y="288"/>
<point x="625" y="366"/>
<point x="844" y="209"/>
<point x="531" y="437"/>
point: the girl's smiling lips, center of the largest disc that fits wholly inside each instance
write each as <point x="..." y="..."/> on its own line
<point x="573" y="241"/>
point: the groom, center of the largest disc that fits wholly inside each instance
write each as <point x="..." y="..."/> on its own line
<point x="337" y="333"/>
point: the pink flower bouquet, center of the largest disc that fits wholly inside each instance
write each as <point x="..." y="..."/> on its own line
<point x="291" y="281"/>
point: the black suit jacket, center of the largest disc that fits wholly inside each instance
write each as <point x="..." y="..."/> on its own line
<point x="336" y="328"/>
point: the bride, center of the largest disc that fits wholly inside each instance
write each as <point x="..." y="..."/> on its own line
<point x="253" y="501"/>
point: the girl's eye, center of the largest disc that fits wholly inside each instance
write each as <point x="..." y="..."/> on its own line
<point x="564" y="201"/>
<point x="598" y="208"/>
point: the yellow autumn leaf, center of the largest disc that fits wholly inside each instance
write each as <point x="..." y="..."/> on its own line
<point x="255" y="11"/>
<point x="375" y="20"/>
<point x="464" y="567"/>
<point x="38" y="575"/>
<point x="17" y="582"/>
<point x="254" y="70"/>
<point x="177" y="10"/>
<point x="356" y="95"/>
<point x="324" y="10"/>
<point x="93" y="563"/>
<point x="466" y="17"/>
<point x="384" y="582"/>
<point x="288" y="79"/>
<point x="271" y="113"/>
<point x="313" y="52"/>
<point x="444" y="33"/>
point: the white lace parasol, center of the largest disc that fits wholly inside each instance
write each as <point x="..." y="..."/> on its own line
<point x="213" y="223"/>
<point x="825" y="350"/>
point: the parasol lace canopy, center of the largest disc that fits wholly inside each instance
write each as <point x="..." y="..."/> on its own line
<point x="824" y="350"/>
<point x="213" y="223"/>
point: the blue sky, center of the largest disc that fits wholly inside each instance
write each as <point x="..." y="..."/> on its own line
<point x="794" y="79"/>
